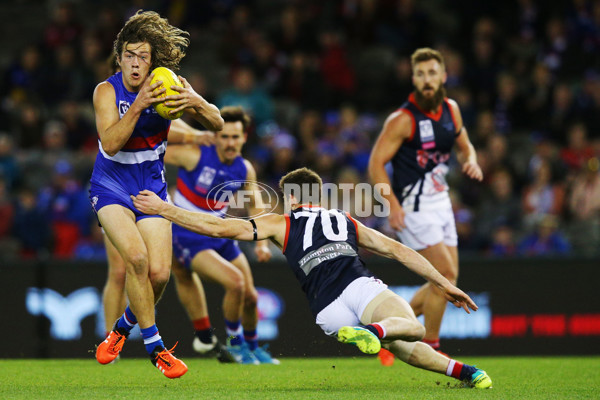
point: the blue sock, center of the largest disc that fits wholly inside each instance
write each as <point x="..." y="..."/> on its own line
<point x="467" y="371"/>
<point x="127" y="320"/>
<point x="151" y="338"/>
<point x="234" y="332"/>
<point x="251" y="337"/>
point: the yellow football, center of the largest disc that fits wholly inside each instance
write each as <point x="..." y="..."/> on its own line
<point x="168" y="78"/>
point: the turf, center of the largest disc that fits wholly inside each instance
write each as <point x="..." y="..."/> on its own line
<point x="314" y="378"/>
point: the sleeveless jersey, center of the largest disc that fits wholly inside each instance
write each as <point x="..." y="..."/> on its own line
<point x="421" y="164"/>
<point x="321" y="248"/>
<point x="139" y="164"/>
<point x="198" y="190"/>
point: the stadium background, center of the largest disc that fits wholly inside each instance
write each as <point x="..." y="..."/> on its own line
<point x="319" y="79"/>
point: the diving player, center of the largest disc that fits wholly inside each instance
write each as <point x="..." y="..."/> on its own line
<point x="321" y="248"/>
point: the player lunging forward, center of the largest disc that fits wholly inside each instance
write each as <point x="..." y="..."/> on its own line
<point x="321" y="248"/>
<point x="130" y="158"/>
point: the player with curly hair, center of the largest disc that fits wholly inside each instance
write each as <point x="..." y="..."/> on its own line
<point x="132" y="144"/>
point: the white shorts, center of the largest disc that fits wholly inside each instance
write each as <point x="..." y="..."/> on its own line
<point x="427" y="228"/>
<point x="347" y="309"/>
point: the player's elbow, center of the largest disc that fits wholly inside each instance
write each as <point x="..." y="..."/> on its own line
<point x="376" y="165"/>
<point x="109" y="148"/>
<point x="219" y="123"/>
<point x="372" y="167"/>
<point x="213" y="121"/>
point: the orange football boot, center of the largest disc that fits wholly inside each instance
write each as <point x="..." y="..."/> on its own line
<point x="386" y="357"/>
<point x="167" y="363"/>
<point x="110" y="348"/>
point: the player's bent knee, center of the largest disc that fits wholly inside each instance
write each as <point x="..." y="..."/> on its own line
<point x="161" y="277"/>
<point x="236" y="283"/>
<point x="117" y="276"/>
<point x="137" y="263"/>
<point x="448" y="272"/>
<point x="418" y="332"/>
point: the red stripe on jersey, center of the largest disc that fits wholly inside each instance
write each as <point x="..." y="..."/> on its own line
<point x="355" y="224"/>
<point x="434" y="116"/>
<point x="198" y="200"/>
<point x="414" y="123"/>
<point x="287" y="231"/>
<point x="146" y="143"/>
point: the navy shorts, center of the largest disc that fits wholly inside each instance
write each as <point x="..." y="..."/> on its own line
<point x="187" y="244"/>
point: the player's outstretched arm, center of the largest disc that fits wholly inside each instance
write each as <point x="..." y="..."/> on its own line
<point x="270" y="226"/>
<point x="254" y="207"/>
<point x="378" y="243"/>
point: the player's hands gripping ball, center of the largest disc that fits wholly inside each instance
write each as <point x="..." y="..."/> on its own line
<point x="168" y="78"/>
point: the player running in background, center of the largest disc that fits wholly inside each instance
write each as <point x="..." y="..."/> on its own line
<point x="321" y="248"/>
<point x="202" y="169"/>
<point x="130" y="158"/>
<point x="417" y="139"/>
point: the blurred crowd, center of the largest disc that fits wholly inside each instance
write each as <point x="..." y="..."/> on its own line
<point x="319" y="78"/>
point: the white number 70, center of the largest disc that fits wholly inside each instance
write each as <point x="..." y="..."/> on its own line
<point x="325" y="215"/>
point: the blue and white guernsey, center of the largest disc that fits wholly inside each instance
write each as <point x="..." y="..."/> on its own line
<point x="421" y="164"/>
<point x="195" y="188"/>
<point x="139" y="163"/>
<point x="321" y="247"/>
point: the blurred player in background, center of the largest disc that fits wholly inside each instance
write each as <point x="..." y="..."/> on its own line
<point x="131" y="151"/>
<point x="321" y="248"/>
<point x="202" y="169"/>
<point x="417" y="139"/>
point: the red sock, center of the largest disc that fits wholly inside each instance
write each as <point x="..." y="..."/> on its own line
<point x="454" y="368"/>
<point x="201" y="324"/>
<point x="377" y="329"/>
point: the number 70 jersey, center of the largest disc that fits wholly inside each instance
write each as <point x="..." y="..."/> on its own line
<point x="321" y="247"/>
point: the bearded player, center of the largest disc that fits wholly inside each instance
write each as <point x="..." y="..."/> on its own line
<point x="417" y="139"/>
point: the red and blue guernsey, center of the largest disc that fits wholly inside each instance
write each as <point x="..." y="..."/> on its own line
<point x="421" y="164"/>
<point x="197" y="190"/>
<point x="138" y="165"/>
<point x="321" y="247"/>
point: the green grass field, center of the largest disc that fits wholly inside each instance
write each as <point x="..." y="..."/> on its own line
<point x="314" y="378"/>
